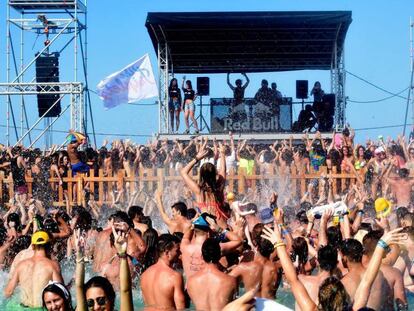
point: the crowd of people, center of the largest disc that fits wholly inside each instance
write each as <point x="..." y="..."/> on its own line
<point x="201" y="246"/>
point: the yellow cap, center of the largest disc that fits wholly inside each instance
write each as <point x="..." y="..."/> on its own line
<point x="230" y="196"/>
<point x="382" y="207"/>
<point x="40" y="238"/>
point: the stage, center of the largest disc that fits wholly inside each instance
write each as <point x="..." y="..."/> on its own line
<point x="253" y="138"/>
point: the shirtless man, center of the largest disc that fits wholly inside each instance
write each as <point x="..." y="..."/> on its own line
<point x="77" y="165"/>
<point x="211" y="289"/>
<point x="34" y="273"/>
<point x="105" y="259"/>
<point x="193" y="240"/>
<point x="392" y="275"/>
<point x="162" y="287"/>
<point x="179" y="221"/>
<point x="328" y="260"/>
<point x="351" y="253"/>
<point x="401" y="187"/>
<point x="261" y="271"/>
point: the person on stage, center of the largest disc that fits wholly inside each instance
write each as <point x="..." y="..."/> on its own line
<point x="238" y="90"/>
<point x="189" y="105"/>
<point x="237" y="109"/>
<point x="317" y="92"/>
<point x="277" y="98"/>
<point x="174" y="103"/>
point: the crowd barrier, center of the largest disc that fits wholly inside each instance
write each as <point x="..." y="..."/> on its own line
<point x="149" y="180"/>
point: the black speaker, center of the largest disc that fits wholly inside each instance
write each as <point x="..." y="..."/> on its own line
<point x="302" y="89"/>
<point x="203" y="86"/>
<point x="47" y="70"/>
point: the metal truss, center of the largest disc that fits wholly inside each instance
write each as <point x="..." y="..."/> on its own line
<point x="338" y="79"/>
<point x="62" y="22"/>
<point x="163" y="76"/>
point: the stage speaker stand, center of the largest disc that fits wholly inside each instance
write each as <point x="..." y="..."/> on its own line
<point x="203" y="89"/>
<point x="302" y="91"/>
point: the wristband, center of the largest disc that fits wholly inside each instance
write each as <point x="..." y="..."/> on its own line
<point x="279" y="244"/>
<point x="384" y="245"/>
<point x="122" y="255"/>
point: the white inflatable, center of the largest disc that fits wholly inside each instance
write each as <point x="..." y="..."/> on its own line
<point x="263" y="304"/>
<point x="339" y="209"/>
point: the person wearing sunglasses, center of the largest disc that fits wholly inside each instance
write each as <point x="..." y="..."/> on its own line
<point x="98" y="293"/>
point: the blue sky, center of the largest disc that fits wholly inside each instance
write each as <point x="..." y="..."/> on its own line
<point x="377" y="49"/>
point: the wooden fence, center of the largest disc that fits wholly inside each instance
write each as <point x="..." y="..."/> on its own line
<point x="99" y="185"/>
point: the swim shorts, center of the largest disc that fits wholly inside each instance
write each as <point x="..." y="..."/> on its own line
<point x="79" y="167"/>
<point x="15" y="306"/>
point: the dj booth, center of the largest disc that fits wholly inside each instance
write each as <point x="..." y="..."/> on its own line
<point x="250" y="116"/>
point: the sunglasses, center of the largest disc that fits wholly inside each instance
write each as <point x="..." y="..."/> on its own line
<point x="101" y="301"/>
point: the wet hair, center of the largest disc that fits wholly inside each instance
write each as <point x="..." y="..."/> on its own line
<point x="191" y="213"/>
<point x="150" y="238"/>
<point x="401" y="212"/>
<point x="265" y="247"/>
<point x="208" y="182"/>
<point x="55" y="289"/>
<point x="14" y="217"/>
<point x="166" y="242"/>
<point x="327" y="258"/>
<point x="334" y="236"/>
<point x="84" y="221"/>
<point x="50" y="225"/>
<point x="120" y="216"/>
<point x="211" y="251"/>
<point x="134" y="211"/>
<point x="146" y="220"/>
<point x="300" y="249"/>
<point x="105" y="285"/>
<point x="181" y="208"/>
<point x="332" y="295"/>
<point x="352" y="249"/>
<point x="3" y="235"/>
<point x="403" y="173"/>
<point x="302" y="218"/>
<point x="370" y="241"/>
<point x="257" y="232"/>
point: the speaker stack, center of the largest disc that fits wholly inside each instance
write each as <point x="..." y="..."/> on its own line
<point x="47" y="70"/>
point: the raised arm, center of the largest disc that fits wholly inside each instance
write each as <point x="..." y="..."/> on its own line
<point x="79" y="243"/>
<point x="298" y="289"/>
<point x="247" y="80"/>
<point x="120" y="242"/>
<point x="160" y="206"/>
<point x="229" y="83"/>
<point x="185" y="171"/>
<point x="363" y="290"/>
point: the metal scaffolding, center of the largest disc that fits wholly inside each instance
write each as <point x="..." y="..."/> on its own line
<point x="61" y="24"/>
<point x="164" y="78"/>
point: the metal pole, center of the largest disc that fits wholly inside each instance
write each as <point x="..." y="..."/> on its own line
<point x="41" y="52"/>
<point x="50" y="124"/>
<point x="40" y="119"/>
<point x="8" y="74"/>
<point x="76" y="42"/>
<point x="22" y="77"/>
<point x="410" y="88"/>
<point x="412" y="63"/>
<point x="159" y="88"/>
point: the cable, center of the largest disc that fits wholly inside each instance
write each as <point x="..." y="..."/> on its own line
<point x="378" y="100"/>
<point x="379" y="127"/>
<point x="134" y="104"/>
<point x="374" y="85"/>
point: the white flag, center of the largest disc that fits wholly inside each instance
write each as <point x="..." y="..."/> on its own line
<point x="131" y="84"/>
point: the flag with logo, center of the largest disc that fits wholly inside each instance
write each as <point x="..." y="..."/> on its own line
<point x="131" y="84"/>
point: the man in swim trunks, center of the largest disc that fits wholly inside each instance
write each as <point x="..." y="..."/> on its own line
<point x="33" y="274"/>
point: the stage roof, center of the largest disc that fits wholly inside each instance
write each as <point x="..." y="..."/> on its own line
<point x="219" y="42"/>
